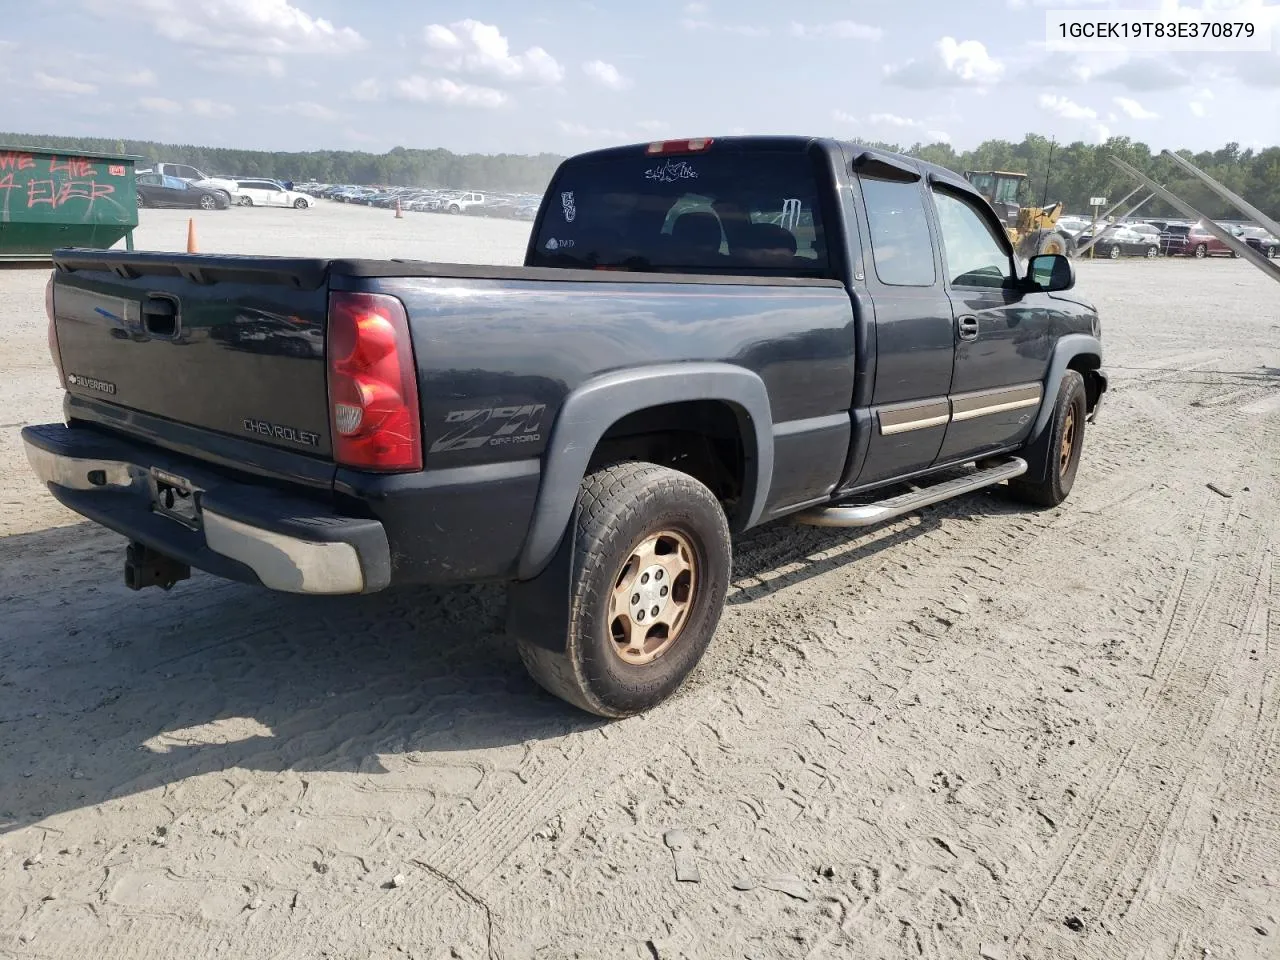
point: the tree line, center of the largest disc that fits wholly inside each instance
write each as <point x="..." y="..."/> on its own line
<point x="1072" y="172"/>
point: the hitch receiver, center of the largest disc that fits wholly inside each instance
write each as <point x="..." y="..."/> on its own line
<point x="144" y="567"/>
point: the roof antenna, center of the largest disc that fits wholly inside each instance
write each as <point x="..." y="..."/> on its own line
<point x="1048" y="170"/>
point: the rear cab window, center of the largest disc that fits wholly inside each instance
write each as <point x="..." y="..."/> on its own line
<point x="737" y="210"/>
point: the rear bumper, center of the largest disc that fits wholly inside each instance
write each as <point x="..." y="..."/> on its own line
<point x="248" y="532"/>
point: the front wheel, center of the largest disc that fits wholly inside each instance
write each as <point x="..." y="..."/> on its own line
<point x="455" y="209"/>
<point x="650" y="572"/>
<point x="1201" y="251"/>
<point x="1061" y="454"/>
<point x="300" y="204"/>
<point x="1153" y="252"/>
<point x="208" y="202"/>
<point x="1114" y="254"/>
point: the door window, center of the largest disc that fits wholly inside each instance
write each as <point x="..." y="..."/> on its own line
<point x="173" y="183"/>
<point x="900" y="243"/>
<point x="975" y="255"/>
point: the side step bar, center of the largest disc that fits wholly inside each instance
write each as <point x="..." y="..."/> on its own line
<point x="869" y="514"/>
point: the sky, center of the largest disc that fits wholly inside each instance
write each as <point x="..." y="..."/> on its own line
<point x="493" y="76"/>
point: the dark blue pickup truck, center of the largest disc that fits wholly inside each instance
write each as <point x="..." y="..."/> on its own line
<point x="707" y="335"/>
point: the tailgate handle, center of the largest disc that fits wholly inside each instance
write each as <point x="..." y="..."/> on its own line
<point x="160" y="316"/>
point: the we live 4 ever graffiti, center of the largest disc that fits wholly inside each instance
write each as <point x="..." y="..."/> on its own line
<point x="32" y="187"/>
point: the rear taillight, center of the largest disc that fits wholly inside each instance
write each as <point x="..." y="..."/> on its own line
<point x="53" y="330"/>
<point x="679" y="146"/>
<point x="373" y="384"/>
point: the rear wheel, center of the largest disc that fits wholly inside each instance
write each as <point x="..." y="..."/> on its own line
<point x="142" y="201"/>
<point x="1062" y="452"/>
<point x="650" y="571"/>
<point x="1114" y="253"/>
<point x="1153" y="252"/>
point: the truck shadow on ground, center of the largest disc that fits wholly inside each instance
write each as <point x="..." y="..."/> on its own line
<point x="106" y="693"/>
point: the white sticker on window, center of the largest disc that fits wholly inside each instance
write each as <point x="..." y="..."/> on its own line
<point x="671" y="171"/>
<point x="567" y="203"/>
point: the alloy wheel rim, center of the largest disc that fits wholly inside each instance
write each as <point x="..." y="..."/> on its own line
<point x="653" y="596"/>
<point x="1068" y="442"/>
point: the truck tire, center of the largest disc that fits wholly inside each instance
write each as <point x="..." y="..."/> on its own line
<point x="1066" y="440"/>
<point x="650" y="571"/>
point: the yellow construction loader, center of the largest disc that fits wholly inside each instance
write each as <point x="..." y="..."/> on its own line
<point x="1032" y="230"/>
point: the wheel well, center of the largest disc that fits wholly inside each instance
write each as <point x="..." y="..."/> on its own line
<point x="703" y="438"/>
<point x="1086" y="364"/>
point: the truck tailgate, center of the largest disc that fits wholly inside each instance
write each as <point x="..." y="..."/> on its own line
<point x="230" y="344"/>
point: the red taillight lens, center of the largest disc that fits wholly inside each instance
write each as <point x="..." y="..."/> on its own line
<point x="373" y="384"/>
<point x="53" y="330"/>
<point x="679" y="146"/>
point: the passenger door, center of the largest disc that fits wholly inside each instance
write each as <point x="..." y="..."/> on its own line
<point x="914" y="342"/>
<point x="1003" y="336"/>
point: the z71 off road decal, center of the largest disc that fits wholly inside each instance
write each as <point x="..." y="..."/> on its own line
<point x="491" y="426"/>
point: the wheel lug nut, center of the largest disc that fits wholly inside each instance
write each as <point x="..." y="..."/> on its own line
<point x="640" y="615"/>
<point x="635" y="599"/>
<point x="664" y="591"/>
<point x="644" y="578"/>
<point x="657" y="575"/>
<point x="655" y="611"/>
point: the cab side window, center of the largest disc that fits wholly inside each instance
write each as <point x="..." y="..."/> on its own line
<point x="900" y="243"/>
<point x="974" y="255"/>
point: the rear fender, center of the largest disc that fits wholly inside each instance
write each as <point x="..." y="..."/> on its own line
<point x="594" y="407"/>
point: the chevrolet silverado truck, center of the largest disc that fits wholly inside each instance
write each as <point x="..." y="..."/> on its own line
<point x="706" y="336"/>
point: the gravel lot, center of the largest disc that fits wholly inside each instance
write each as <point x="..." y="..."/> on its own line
<point x="977" y="732"/>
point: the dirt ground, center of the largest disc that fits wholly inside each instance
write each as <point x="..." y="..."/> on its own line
<point x="977" y="732"/>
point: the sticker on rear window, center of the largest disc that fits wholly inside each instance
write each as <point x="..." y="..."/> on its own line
<point x="671" y="171"/>
<point x="567" y="203"/>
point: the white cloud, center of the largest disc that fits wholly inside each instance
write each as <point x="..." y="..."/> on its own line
<point x="1134" y="110"/>
<point x="653" y="126"/>
<point x="160" y="105"/>
<point x="1196" y="107"/>
<point x="366" y="90"/>
<point x="1065" y="108"/>
<point x="953" y="62"/>
<point x="839" y="30"/>
<point x="843" y="116"/>
<point x="62" y="85"/>
<point x="272" y="27"/>
<point x="137" y="78"/>
<point x="1102" y="132"/>
<point x="210" y="108"/>
<point x="605" y="74"/>
<point x="940" y="136"/>
<point x="241" y="65"/>
<point x="697" y="19"/>
<point x="449" y="92"/>
<point x="583" y="132"/>
<point x="311" y="110"/>
<point x="469" y="46"/>
<point x="1199" y="100"/>
<point x="893" y="120"/>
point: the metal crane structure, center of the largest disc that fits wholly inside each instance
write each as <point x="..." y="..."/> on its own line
<point x="1270" y="267"/>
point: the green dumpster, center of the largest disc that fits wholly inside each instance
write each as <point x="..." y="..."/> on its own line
<point x="51" y="199"/>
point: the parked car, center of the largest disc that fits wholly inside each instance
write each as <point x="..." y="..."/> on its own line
<point x="184" y="171"/>
<point x="1073" y="226"/>
<point x="1200" y="243"/>
<point x="1173" y="239"/>
<point x="1117" y="240"/>
<point x="270" y="193"/>
<point x="1261" y="240"/>
<point x="462" y="202"/>
<point x="422" y="436"/>
<point x="156" y="190"/>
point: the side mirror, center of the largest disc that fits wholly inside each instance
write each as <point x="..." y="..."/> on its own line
<point x="1050" y="272"/>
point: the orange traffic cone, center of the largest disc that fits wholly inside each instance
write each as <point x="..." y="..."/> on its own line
<point x="399" y="212"/>
<point x="191" y="235"/>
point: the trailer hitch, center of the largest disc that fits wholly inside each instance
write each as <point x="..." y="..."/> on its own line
<point x="144" y="567"/>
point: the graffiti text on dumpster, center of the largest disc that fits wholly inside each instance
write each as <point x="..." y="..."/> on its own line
<point x="51" y="182"/>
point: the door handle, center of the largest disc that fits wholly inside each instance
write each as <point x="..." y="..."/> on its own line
<point x="967" y="326"/>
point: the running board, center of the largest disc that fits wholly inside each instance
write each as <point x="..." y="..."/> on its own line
<point x="869" y="514"/>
